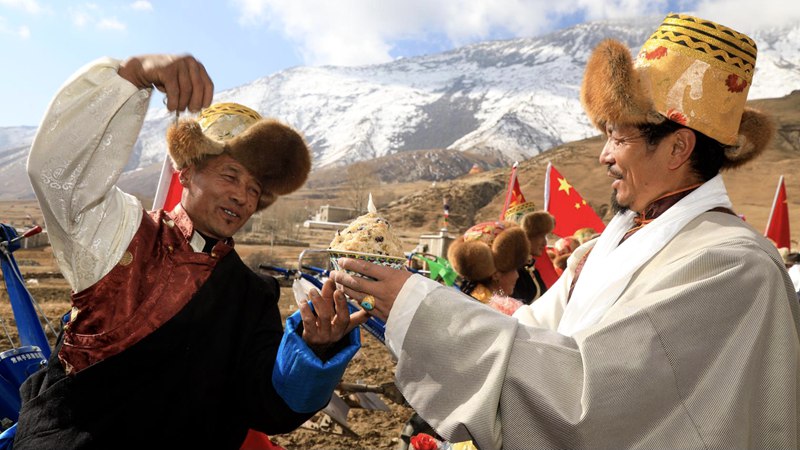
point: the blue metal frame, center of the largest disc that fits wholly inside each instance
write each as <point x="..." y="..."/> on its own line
<point x="17" y="364"/>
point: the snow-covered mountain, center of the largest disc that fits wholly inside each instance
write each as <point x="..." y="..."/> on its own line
<point x="509" y="99"/>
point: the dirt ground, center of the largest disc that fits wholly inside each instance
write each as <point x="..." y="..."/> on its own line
<point x="373" y="365"/>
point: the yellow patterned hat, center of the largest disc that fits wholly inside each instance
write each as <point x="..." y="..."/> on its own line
<point x="691" y="71"/>
<point x="223" y="121"/>
<point x="272" y="152"/>
<point x="517" y="212"/>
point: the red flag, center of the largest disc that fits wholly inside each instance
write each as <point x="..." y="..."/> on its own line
<point x="564" y="202"/>
<point x="546" y="269"/>
<point x="778" y="223"/>
<point x="514" y="195"/>
<point x="169" y="189"/>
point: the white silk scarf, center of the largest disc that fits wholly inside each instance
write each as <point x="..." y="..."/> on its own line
<point x="611" y="265"/>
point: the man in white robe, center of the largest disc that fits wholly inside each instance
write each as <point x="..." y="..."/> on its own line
<point x="676" y="328"/>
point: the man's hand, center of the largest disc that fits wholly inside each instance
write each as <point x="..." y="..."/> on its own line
<point x="332" y="320"/>
<point x="182" y="78"/>
<point x="384" y="290"/>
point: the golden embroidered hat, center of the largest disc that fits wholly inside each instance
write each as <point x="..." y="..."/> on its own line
<point x="273" y="152"/>
<point x="517" y="212"/>
<point x="691" y="71"/>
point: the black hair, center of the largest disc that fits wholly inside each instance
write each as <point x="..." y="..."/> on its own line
<point x="708" y="155"/>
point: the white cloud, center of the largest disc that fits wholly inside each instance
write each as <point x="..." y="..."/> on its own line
<point x="24" y="32"/>
<point x="80" y="18"/>
<point x="110" y="23"/>
<point x="350" y="32"/>
<point x="745" y="16"/>
<point x="29" y="6"/>
<point x="90" y="14"/>
<point x="347" y="32"/>
<point x="142" y="5"/>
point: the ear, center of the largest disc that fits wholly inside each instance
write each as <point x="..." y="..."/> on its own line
<point x="184" y="176"/>
<point x="683" y="142"/>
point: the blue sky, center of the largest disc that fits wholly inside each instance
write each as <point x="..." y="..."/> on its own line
<point x="42" y="42"/>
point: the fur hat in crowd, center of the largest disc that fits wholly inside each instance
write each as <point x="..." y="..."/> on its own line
<point x="487" y="248"/>
<point x="537" y="223"/>
<point x="691" y="71"/>
<point x="274" y="153"/>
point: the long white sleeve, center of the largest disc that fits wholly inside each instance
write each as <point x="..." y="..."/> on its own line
<point x="81" y="148"/>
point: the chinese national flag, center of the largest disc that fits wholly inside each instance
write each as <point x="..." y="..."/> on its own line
<point x="564" y="202"/>
<point x="546" y="269"/>
<point x="778" y="223"/>
<point x="169" y="189"/>
<point x="514" y="195"/>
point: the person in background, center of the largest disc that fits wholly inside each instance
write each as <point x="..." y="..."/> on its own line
<point x="487" y="257"/>
<point x="172" y="341"/>
<point x="530" y="285"/>
<point x="563" y="248"/>
<point x="676" y="328"/>
<point x="792" y="261"/>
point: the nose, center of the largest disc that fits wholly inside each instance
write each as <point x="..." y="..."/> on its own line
<point x="239" y="194"/>
<point x="606" y="156"/>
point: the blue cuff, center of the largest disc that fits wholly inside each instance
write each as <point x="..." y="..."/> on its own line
<point x="303" y="380"/>
<point x="7" y="438"/>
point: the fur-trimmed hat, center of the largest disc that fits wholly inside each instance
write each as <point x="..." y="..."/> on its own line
<point x="487" y="248"/>
<point x="274" y="153"/>
<point x="691" y="71"/>
<point x="537" y="223"/>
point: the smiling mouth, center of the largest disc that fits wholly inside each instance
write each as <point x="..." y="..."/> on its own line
<point x="230" y="213"/>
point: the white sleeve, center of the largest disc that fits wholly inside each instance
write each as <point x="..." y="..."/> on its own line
<point x="405" y="305"/>
<point x="80" y="149"/>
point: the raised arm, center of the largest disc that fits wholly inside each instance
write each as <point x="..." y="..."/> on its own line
<point x="83" y="144"/>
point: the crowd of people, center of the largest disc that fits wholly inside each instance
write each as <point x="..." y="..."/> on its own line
<point x="676" y="327"/>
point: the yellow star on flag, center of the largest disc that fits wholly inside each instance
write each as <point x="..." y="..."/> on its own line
<point x="577" y="206"/>
<point x="563" y="185"/>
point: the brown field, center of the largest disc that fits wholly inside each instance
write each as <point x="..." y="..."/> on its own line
<point x="373" y="365"/>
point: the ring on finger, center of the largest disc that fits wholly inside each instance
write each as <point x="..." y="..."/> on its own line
<point x="368" y="303"/>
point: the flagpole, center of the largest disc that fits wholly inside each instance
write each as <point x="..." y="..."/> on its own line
<point x="547" y="187"/>
<point x="510" y="188"/>
<point x="163" y="184"/>
<point x="774" y="204"/>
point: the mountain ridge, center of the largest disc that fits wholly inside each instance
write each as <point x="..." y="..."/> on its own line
<point x="503" y="100"/>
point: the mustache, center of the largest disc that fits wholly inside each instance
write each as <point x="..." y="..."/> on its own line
<point x="614" y="173"/>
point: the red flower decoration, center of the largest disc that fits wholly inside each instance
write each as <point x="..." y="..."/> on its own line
<point x="676" y="116"/>
<point x="735" y="84"/>
<point x="424" y="441"/>
<point x="657" y="53"/>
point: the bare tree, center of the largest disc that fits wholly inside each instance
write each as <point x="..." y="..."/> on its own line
<point x="360" y="179"/>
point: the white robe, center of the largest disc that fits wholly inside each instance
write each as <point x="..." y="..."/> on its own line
<point x="700" y="350"/>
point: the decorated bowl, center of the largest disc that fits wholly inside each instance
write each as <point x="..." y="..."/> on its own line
<point x="394" y="262"/>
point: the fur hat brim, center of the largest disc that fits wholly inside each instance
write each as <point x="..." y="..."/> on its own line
<point x="538" y="223"/>
<point x="755" y="133"/>
<point x="275" y="154"/>
<point x="476" y="261"/>
<point x="473" y="260"/>
<point x="612" y="90"/>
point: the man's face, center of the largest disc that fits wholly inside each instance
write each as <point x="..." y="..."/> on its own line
<point x="538" y="244"/>
<point x="220" y="197"/>
<point x="640" y="174"/>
